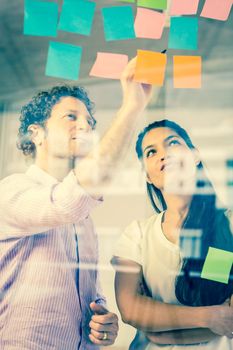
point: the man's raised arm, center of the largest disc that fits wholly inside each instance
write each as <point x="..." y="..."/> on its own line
<point x="96" y="167"/>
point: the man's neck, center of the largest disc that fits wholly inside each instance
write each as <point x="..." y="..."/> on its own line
<point x="56" y="167"/>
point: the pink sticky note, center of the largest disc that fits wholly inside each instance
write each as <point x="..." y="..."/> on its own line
<point x="149" y="24"/>
<point x="184" y="7"/>
<point x="109" y="65"/>
<point x="217" y="9"/>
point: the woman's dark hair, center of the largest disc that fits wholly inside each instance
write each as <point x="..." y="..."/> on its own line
<point x="38" y="111"/>
<point x="204" y="216"/>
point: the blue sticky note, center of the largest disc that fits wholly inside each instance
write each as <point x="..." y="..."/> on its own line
<point x="183" y="33"/>
<point x="40" y="18"/>
<point x="77" y="16"/>
<point x="118" y="23"/>
<point x="63" y="60"/>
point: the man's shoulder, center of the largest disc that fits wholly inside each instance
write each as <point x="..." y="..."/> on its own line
<point x="15" y="179"/>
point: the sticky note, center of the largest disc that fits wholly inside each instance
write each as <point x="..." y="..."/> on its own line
<point x="40" y="18"/>
<point x="217" y="266"/>
<point x="217" y="9"/>
<point x="63" y="60"/>
<point x="77" y="16"/>
<point x="118" y="23"/>
<point x="153" y="4"/>
<point x="184" y="7"/>
<point x="149" y="24"/>
<point x="187" y="72"/>
<point x="183" y="33"/>
<point x="150" y="67"/>
<point x="109" y="65"/>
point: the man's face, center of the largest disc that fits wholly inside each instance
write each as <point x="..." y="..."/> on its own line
<point x="69" y="132"/>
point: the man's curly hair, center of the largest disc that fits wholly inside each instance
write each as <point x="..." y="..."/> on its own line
<point x="38" y="111"/>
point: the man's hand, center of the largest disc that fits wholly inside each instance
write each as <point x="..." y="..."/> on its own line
<point x="103" y="325"/>
<point x="135" y="95"/>
<point x="100" y="164"/>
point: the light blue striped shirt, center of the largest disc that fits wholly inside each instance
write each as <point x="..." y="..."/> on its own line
<point x="44" y="297"/>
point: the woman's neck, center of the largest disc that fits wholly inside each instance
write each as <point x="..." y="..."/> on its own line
<point x="177" y="205"/>
<point x="177" y="210"/>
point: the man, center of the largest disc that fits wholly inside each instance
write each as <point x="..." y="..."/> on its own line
<point x="49" y="293"/>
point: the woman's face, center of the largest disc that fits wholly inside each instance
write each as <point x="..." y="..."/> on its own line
<point x="169" y="163"/>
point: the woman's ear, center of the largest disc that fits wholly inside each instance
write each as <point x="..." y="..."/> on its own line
<point x="148" y="179"/>
<point x="196" y="155"/>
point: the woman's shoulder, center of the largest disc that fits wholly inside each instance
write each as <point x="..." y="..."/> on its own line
<point x="229" y="214"/>
<point x="129" y="245"/>
<point x="143" y="225"/>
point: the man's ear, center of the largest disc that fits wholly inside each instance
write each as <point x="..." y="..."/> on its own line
<point x="37" y="134"/>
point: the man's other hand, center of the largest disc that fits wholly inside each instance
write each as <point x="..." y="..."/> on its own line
<point x="103" y="325"/>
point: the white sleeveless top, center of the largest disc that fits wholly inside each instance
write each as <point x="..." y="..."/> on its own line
<point x="145" y="243"/>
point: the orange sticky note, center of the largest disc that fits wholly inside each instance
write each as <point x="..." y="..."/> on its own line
<point x="150" y="67"/>
<point x="217" y="9"/>
<point x="187" y="72"/>
<point x="149" y="24"/>
<point x="109" y="65"/>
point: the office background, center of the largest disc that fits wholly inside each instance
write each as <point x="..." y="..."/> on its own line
<point x="207" y="113"/>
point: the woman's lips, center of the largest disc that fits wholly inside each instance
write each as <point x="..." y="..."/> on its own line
<point x="168" y="165"/>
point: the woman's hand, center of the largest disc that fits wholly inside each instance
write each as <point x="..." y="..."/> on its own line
<point x="221" y="320"/>
<point x="188" y="336"/>
<point x="182" y="337"/>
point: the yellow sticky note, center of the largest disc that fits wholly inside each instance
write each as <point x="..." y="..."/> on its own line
<point x="187" y="72"/>
<point x="150" y="67"/>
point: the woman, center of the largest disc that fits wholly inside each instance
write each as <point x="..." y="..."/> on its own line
<point x="180" y="307"/>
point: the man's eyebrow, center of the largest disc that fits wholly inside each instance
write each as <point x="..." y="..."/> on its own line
<point x="70" y="110"/>
<point x="76" y="111"/>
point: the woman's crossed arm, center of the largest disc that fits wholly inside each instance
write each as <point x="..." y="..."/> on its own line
<point x="165" y="323"/>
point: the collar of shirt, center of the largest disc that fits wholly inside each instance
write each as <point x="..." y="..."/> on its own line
<point x="40" y="176"/>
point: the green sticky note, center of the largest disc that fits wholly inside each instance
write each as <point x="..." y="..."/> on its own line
<point x="40" y="18"/>
<point x="63" y="60"/>
<point x="77" y="16"/>
<point x="118" y="23"/>
<point x="153" y="4"/>
<point x="183" y="33"/>
<point x="217" y="265"/>
<point x="132" y="1"/>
